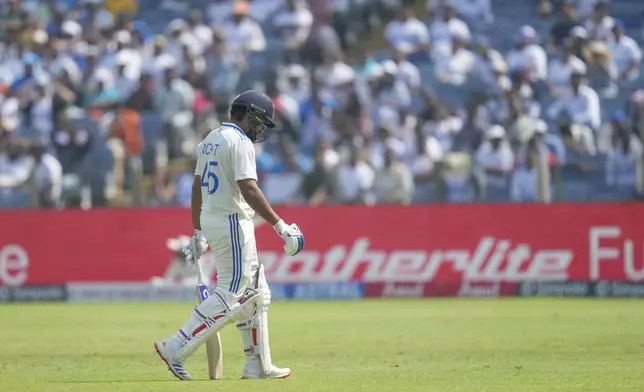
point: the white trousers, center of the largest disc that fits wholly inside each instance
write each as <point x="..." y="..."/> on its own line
<point x="232" y="241"/>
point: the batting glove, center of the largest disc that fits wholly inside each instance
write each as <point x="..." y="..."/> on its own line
<point x="292" y="236"/>
<point x="195" y="248"/>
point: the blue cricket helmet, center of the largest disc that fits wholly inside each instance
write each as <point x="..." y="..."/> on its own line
<point x="259" y="109"/>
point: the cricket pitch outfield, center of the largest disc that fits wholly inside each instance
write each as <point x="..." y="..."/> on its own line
<point x="386" y="345"/>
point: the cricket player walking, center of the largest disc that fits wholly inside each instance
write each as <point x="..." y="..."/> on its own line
<point x="225" y="196"/>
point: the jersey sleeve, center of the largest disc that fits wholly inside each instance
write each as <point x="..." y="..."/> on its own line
<point x="244" y="161"/>
<point x="199" y="165"/>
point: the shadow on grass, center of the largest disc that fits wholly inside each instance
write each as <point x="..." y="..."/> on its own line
<point x="120" y="381"/>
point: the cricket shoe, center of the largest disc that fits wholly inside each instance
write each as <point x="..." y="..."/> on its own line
<point x="253" y="371"/>
<point x="166" y="353"/>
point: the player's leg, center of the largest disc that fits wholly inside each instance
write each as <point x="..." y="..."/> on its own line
<point x="254" y="329"/>
<point x="218" y="310"/>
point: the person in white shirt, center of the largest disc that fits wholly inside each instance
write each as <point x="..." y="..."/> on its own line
<point x="495" y="155"/>
<point x="355" y="180"/>
<point x="294" y="23"/>
<point x="406" y="33"/>
<point x="242" y="33"/>
<point x="623" y="166"/>
<point x="472" y="10"/>
<point x="225" y="198"/>
<point x="625" y="53"/>
<point x="48" y="178"/>
<point x="407" y="72"/>
<point x="489" y="66"/>
<point x="528" y="55"/>
<point x="600" y="24"/>
<point x="580" y="103"/>
<point x="560" y="70"/>
<point x="295" y="81"/>
<point x="524" y="188"/>
<point x="393" y="183"/>
<point x="444" y="29"/>
<point x="383" y="142"/>
<point x="456" y="66"/>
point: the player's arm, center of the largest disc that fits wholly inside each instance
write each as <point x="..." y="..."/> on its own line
<point x="197" y="245"/>
<point x="246" y="177"/>
<point x="257" y="201"/>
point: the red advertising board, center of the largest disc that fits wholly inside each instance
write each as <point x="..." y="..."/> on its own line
<point x="409" y="246"/>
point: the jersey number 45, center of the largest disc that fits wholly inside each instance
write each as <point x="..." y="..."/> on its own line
<point x="209" y="179"/>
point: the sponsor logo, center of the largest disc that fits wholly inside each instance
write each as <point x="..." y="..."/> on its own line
<point x="492" y="260"/>
<point x="480" y="290"/>
<point x="33" y="294"/>
<point x="605" y="289"/>
<point x="554" y="289"/>
<point x="402" y="290"/>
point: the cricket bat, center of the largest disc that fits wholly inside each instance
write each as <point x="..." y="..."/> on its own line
<point x="213" y="345"/>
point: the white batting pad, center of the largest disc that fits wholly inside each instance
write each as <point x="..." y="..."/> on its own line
<point x="215" y="315"/>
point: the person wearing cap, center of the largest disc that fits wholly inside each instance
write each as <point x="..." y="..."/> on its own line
<point x="495" y="155"/>
<point x="294" y="23"/>
<point x="626" y="55"/>
<point x="580" y="102"/>
<point x="242" y="33"/>
<point x="528" y="55"/>
<point x="225" y="197"/>
<point x="454" y="67"/>
<point x="560" y="69"/>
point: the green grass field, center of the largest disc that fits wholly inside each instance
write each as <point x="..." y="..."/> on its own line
<point x="415" y="345"/>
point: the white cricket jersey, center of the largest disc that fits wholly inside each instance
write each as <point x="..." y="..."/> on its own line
<point x="225" y="156"/>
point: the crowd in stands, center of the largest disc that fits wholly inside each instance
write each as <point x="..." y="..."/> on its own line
<point x="102" y="102"/>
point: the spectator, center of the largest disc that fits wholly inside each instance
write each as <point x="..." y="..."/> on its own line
<point x="355" y="180"/>
<point x="317" y="184"/>
<point x="242" y="33"/>
<point x="495" y="154"/>
<point x="602" y="74"/>
<point x="15" y="166"/>
<point x="175" y="101"/>
<point x="390" y="96"/>
<point x="406" y="33"/>
<point x="295" y="81"/>
<point x="393" y="183"/>
<point x="560" y="31"/>
<point x="71" y="144"/>
<point x="381" y="144"/>
<point x="525" y="179"/>
<point x="600" y="24"/>
<point x="126" y="144"/>
<point x="560" y="70"/>
<point x="625" y="54"/>
<point x="294" y="23"/>
<point x="528" y="55"/>
<point x="580" y="103"/>
<point x="489" y="64"/>
<point x="224" y="68"/>
<point x="101" y="92"/>
<point x="142" y="100"/>
<point x="48" y="177"/>
<point x="455" y="67"/>
<point x="407" y="72"/>
<point x="472" y="10"/>
<point x="624" y="162"/>
<point x="284" y="180"/>
<point x="124" y="82"/>
<point x="443" y="30"/>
